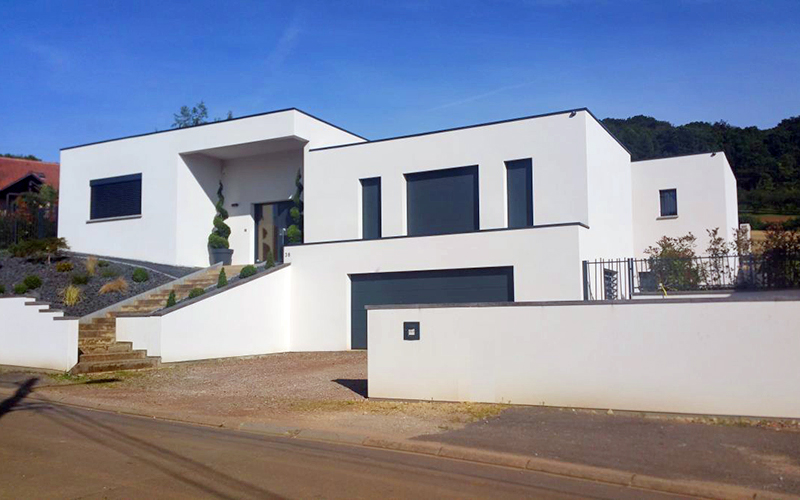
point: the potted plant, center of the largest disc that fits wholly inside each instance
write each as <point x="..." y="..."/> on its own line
<point x="218" y="246"/>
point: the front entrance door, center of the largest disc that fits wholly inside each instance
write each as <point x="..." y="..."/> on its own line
<point x="271" y="220"/>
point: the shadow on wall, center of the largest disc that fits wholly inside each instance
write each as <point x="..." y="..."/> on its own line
<point x="357" y="385"/>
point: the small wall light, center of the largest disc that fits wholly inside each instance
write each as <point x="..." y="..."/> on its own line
<point x="411" y="330"/>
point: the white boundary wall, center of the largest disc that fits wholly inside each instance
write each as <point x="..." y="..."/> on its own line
<point x="712" y="357"/>
<point x="247" y="319"/>
<point x="36" y="340"/>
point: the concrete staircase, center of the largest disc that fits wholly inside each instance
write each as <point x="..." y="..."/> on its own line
<point x="98" y="349"/>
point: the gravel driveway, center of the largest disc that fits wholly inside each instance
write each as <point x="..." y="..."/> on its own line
<point x="323" y="390"/>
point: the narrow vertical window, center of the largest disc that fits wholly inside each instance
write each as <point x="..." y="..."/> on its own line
<point x="519" y="178"/>
<point x="669" y="202"/>
<point x="371" y="208"/>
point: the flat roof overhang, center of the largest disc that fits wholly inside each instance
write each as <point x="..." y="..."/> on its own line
<point x="255" y="148"/>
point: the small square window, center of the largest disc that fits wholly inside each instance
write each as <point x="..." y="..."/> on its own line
<point x="669" y="202"/>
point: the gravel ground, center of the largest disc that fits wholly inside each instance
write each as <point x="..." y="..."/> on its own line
<point x="14" y="270"/>
<point x="323" y="390"/>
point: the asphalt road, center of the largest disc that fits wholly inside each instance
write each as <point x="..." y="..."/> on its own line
<point x="56" y="451"/>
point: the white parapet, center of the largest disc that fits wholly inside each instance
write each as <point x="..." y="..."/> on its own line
<point x="714" y="356"/>
<point x="34" y="339"/>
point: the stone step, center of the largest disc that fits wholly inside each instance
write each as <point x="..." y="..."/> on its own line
<point x="107" y="348"/>
<point x="103" y="321"/>
<point x="113" y="356"/>
<point x="94" y="343"/>
<point x="96" y="329"/>
<point x="116" y="365"/>
<point x="94" y="334"/>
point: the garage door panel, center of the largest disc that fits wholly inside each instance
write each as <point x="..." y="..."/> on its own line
<point x="425" y="287"/>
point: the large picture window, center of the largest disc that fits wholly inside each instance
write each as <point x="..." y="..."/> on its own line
<point x="116" y="196"/>
<point x="442" y="201"/>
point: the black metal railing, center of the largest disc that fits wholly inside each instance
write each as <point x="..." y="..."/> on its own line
<point x="20" y="226"/>
<point x="621" y="279"/>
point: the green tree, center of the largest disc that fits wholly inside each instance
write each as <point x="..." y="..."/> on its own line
<point x="294" y="233"/>
<point x="196" y="115"/>
<point x="20" y="157"/>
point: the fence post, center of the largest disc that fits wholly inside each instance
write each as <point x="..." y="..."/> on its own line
<point x="40" y="223"/>
<point x="630" y="279"/>
<point x="585" y="280"/>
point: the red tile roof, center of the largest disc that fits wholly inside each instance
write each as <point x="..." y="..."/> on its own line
<point x="13" y="169"/>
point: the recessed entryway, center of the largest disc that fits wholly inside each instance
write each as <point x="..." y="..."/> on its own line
<point x="271" y="221"/>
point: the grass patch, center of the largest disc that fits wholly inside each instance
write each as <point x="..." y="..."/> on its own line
<point x="454" y="412"/>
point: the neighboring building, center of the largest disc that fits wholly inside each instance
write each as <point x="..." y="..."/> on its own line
<point x="502" y="211"/>
<point x="19" y="176"/>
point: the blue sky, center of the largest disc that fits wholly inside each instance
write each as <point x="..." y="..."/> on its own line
<point x="76" y="72"/>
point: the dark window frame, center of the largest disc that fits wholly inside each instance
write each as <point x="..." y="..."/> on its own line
<point x="514" y="215"/>
<point x="102" y="191"/>
<point x="472" y="170"/>
<point x="367" y="231"/>
<point x="663" y="202"/>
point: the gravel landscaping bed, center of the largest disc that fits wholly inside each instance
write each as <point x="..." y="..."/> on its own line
<point x="14" y="270"/>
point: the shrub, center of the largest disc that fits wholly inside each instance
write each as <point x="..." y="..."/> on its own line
<point x="673" y="264"/>
<point x="72" y="295"/>
<point x="32" y="282"/>
<point x="140" y="275"/>
<point x="64" y="266"/>
<point x="219" y="235"/>
<point x="20" y="288"/>
<point x="196" y="292"/>
<point x="80" y="278"/>
<point x="91" y="265"/>
<point x="119" y="285"/>
<point x="293" y="234"/>
<point x="223" y="278"/>
<point x="247" y="271"/>
<point x="109" y="273"/>
<point x="43" y="249"/>
<point x="171" y="300"/>
<point x="2" y="289"/>
<point x="103" y="263"/>
<point x="270" y="261"/>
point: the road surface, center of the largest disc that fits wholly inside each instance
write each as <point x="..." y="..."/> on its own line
<point x="55" y="451"/>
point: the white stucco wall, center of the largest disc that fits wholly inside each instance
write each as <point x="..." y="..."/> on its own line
<point x="249" y="319"/>
<point x="706" y="192"/>
<point x="176" y="183"/>
<point x="33" y="339"/>
<point x="556" y="143"/>
<point x="609" y="196"/>
<point x="545" y="260"/>
<point x="726" y="358"/>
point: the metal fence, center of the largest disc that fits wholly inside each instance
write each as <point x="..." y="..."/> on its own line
<point x="21" y="226"/>
<point x="621" y="279"/>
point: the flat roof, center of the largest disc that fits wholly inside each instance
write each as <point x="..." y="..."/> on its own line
<point x="486" y="124"/>
<point x="216" y="123"/>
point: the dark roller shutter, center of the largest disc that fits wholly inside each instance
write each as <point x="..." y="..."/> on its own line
<point x="116" y="196"/>
<point x="442" y="201"/>
<point x="489" y="284"/>
<point x="371" y="208"/>
<point x="519" y="176"/>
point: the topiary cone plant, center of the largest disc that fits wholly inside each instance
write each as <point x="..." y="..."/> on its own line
<point x="218" y="246"/>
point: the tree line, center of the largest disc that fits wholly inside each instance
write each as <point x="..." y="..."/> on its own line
<point x="766" y="162"/>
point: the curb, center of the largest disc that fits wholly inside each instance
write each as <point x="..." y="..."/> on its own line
<point x="700" y="489"/>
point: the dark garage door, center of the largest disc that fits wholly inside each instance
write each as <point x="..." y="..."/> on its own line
<point x="488" y="284"/>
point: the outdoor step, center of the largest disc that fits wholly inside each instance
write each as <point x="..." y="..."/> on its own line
<point x="107" y="348"/>
<point x="95" y="334"/>
<point x="103" y="321"/>
<point x="113" y="356"/>
<point x="93" y="328"/>
<point x="115" y="365"/>
<point x="94" y="342"/>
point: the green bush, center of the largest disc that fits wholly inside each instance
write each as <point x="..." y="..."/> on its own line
<point x="32" y="282"/>
<point x="248" y="271"/>
<point x="140" y="275"/>
<point x="80" y="278"/>
<point x="217" y="241"/>
<point x="270" y="261"/>
<point x="293" y="234"/>
<point x="171" y="301"/>
<point x="196" y="292"/>
<point x="223" y="278"/>
<point x="43" y="249"/>
<point x="20" y="288"/>
<point x="2" y="289"/>
<point x="109" y="273"/>
<point x="103" y="263"/>
<point x="64" y="266"/>
<point x="219" y="235"/>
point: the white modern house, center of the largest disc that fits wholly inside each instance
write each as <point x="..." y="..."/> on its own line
<point x="496" y="212"/>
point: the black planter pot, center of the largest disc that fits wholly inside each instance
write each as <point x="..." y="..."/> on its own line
<point x="223" y="255"/>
